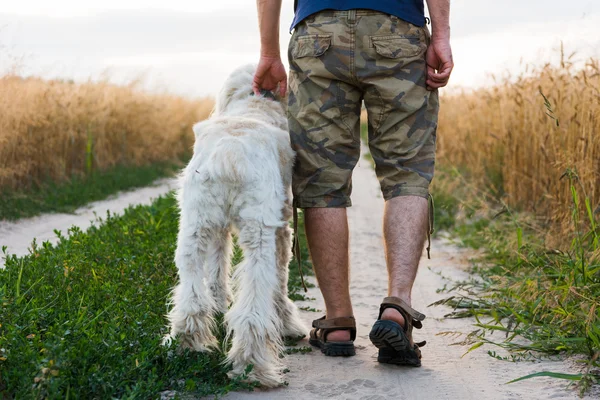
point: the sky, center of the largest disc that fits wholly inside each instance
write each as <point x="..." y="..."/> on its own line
<point x="189" y="47"/>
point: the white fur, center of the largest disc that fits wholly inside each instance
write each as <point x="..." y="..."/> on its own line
<point x="237" y="181"/>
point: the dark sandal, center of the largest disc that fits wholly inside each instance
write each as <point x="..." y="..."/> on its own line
<point x="322" y="327"/>
<point x="395" y="343"/>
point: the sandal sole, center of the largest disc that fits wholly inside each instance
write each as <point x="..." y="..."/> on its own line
<point x="335" y="349"/>
<point x="393" y="344"/>
<point x="407" y="358"/>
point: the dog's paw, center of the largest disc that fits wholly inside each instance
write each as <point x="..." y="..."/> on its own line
<point x="167" y="340"/>
<point x="292" y="323"/>
<point x="294" y="329"/>
<point x="198" y="342"/>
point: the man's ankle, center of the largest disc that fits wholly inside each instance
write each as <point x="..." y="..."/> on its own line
<point x="404" y="294"/>
<point x="391" y="314"/>
<point x="340" y="313"/>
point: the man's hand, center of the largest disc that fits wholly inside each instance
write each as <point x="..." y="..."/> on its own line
<point x="439" y="63"/>
<point x="439" y="53"/>
<point x="269" y="73"/>
<point x="270" y="70"/>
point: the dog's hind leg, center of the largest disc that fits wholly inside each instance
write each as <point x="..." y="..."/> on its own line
<point x="191" y="317"/>
<point x="253" y="318"/>
<point x="218" y="263"/>
<point x="290" y="317"/>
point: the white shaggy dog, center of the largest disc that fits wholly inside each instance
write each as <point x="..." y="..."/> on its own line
<point x="237" y="181"/>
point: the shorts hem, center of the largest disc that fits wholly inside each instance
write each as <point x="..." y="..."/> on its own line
<point x="320" y="202"/>
<point x="406" y="191"/>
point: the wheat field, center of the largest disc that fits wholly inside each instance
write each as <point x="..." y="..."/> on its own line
<point x="516" y="139"/>
<point x="521" y="140"/>
<point x="52" y="130"/>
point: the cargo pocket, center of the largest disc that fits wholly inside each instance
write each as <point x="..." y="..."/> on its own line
<point x="311" y="45"/>
<point x="396" y="46"/>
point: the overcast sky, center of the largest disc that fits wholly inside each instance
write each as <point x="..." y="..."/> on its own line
<point x="189" y="47"/>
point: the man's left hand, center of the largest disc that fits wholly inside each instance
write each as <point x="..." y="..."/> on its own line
<point x="439" y="63"/>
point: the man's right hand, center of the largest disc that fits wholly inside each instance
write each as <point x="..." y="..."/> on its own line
<point x="269" y="73"/>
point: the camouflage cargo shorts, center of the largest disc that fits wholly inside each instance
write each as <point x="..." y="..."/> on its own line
<point x="338" y="59"/>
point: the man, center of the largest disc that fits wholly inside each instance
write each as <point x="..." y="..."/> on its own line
<point x="342" y="53"/>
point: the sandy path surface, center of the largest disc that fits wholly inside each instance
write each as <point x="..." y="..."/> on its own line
<point x="17" y="236"/>
<point x="444" y="374"/>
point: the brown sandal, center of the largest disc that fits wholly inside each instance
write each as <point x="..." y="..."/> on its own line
<point x="395" y="343"/>
<point x="322" y="327"/>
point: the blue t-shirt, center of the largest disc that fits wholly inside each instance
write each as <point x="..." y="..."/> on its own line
<point x="412" y="11"/>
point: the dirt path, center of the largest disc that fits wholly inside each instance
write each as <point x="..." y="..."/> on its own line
<point x="444" y="375"/>
<point x="17" y="236"/>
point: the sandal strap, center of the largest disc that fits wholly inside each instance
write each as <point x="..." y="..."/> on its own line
<point x="411" y="316"/>
<point x="340" y="322"/>
<point x="322" y="327"/>
<point x="397" y="301"/>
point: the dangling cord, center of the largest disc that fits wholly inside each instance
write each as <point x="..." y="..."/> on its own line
<point x="430" y="223"/>
<point x="296" y="249"/>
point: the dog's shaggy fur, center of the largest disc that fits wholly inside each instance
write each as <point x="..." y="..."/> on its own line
<point x="237" y="181"/>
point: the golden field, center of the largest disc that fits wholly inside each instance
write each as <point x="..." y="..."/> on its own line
<point x="508" y="141"/>
<point x="52" y="130"/>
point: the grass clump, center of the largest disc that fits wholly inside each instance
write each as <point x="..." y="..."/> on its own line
<point x="85" y="318"/>
<point x="69" y="195"/>
<point x="531" y="299"/>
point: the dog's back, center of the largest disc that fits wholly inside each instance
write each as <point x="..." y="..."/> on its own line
<point x="241" y="150"/>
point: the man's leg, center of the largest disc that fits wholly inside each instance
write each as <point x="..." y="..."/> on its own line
<point x="324" y="107"/>
<point x="327" y="236"/>
<point x="404" y="230"/>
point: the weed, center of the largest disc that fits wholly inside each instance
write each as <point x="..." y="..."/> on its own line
<point x="301" y="350"/>
<point x="310" y="309"/>
<point x="543" y="301"/>
<point x="79" y="190"/>
<point x="85" y="318"/>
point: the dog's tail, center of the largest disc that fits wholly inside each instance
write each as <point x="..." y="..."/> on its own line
<point x="229" y="161"/>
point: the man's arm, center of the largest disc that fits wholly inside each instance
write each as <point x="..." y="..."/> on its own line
<point x="439" y="53"/>
<point x="270" y="71"/>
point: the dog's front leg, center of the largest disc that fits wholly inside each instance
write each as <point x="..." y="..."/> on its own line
<point x="253" y="319"/>
<point x="191" y="317"/>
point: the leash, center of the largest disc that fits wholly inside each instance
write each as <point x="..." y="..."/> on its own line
<point x="267" y="94"/>
<point x="430" y="223"/>
<point x="296" y="249"/>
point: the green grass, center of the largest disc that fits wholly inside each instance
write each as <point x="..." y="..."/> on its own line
<point x="531" y="300"/>
<point x="85" y="318"/>
<point x="80" y="190"/>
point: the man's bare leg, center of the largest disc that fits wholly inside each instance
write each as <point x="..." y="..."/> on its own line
<point x="327" y="236"/>
<point x="404" y="230"/>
